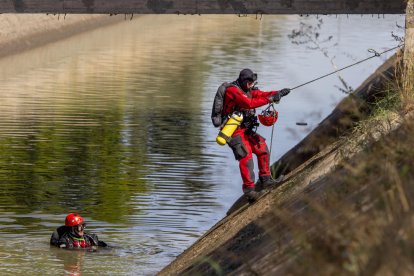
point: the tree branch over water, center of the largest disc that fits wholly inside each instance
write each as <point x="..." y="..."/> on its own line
<point x="310" y="36"/>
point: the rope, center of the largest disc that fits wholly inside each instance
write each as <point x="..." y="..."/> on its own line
<point x="271" y="137"/>
<point x="376" y="54"/>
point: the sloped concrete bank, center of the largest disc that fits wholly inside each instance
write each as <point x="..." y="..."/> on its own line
<point x="347" y="112"/>
<point x="309" y="219"/>
<point x="20" y="32"/>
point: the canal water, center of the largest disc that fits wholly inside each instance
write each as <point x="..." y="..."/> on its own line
<point x="115" y="124"/>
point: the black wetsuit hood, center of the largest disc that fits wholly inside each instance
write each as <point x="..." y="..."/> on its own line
<point x="245" y="76"/>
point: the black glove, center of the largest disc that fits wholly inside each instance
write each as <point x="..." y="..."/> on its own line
<point x="275" y="98"/>
<point x="284" y="92"/>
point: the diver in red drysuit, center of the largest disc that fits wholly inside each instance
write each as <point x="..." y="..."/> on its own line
<point x="242" y="96"/>
<point x="72" y="234"/>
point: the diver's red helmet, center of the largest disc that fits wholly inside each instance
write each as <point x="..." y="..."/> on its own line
<point x="268" y="117"/>
<point x="73" y="219"/>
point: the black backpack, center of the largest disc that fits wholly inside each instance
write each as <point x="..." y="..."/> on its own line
<point x="216" y="112"/>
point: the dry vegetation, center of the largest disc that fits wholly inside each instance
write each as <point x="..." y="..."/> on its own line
<point x="361" y="220"/>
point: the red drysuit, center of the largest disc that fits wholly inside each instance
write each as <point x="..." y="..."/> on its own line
<point x="244" y="141"/>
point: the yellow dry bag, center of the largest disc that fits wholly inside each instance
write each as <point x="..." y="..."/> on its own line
<point x="229" y="128"/>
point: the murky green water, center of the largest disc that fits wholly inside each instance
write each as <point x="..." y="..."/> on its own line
<point x="114" y="124"/>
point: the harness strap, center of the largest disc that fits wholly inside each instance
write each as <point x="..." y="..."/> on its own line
<point x="224" y="136"/>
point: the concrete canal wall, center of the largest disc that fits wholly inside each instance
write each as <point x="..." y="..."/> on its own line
<point x="20" y="32"/>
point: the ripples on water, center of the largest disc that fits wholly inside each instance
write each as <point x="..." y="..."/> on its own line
<point x="115" y="124"/>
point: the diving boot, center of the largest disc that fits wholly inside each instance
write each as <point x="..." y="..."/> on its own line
<point x="251" y="195"/>
<point x="267" y="182"/>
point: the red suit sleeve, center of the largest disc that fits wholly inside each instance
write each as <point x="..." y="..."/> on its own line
<point x="260" y="93"/>
<point x="259" y="98"/>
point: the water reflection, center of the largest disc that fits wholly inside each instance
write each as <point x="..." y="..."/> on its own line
<point x="114" y="124"/>
<point x="72" y="261"/>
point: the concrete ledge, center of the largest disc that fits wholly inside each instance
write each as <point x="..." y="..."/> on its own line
<point x="205" y="6"/>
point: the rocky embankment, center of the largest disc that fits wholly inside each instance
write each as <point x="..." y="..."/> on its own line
<point x="344" y="207"/>
<point x="20" y="32"/>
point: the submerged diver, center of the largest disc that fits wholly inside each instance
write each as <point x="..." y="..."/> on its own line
<point x="72" y="234"/>
<point x="243" y="97"/>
